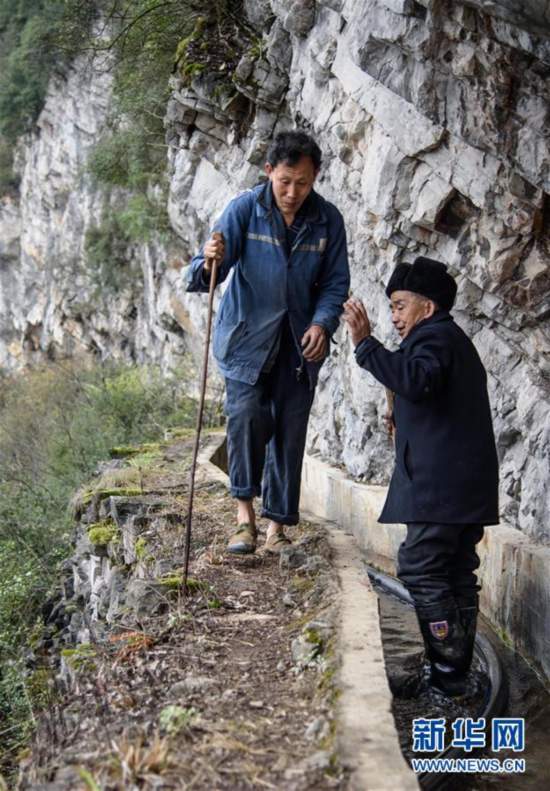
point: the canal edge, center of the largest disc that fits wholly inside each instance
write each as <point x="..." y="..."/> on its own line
<point x="368" y="744"/>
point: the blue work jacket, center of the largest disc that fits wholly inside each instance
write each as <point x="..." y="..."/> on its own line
<point x="446" y="467"/>
<point x="309" y="286"/>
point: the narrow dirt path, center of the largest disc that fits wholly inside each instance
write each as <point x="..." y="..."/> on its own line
<point x="230" y="688"/>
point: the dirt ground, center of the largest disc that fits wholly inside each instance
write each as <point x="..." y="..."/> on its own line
<point x="230" y="687"/>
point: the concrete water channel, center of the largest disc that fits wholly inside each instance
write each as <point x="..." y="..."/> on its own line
<point x="519" y="692"/>
<point x="379" y="629"/>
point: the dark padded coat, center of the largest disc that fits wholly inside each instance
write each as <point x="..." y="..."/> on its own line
<point x="446" y="467"/>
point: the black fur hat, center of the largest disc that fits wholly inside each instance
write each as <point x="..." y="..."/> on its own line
<point x="426" y="277"/>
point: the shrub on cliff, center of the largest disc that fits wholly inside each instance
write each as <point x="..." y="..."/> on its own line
<point x="36" y="36"/>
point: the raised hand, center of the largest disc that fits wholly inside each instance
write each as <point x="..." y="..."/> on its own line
<point x="356" y="317"/>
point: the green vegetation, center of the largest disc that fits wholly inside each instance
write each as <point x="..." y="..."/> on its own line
<point x="140" y="548"/>
<point x="88" y="779"/>
<point x="107" y="256"/>
<point x="146" y="459"/>
<point x="36" y="36"/>
<point x="144" y="42"/>
<point x="81" y="658"/>
<point x="174" y="719"/>
<point x="132" y="152"/>
<point x="174" y="582"/>
<point x="149" y="41"/>
<point x="8" y="180"/>
<point x="102" y="533"/>
<point x="115" y="491"/>
<point x="56" y="424"/>
<point x="30" y="42"/>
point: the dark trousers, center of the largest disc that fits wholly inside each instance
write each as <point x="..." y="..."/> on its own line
<point x="438" y="562"/>
<point x="266" y="434"/>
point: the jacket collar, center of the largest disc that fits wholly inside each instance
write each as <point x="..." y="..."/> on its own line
<point x="438" y="317"/>
<point x="313" y="207"/>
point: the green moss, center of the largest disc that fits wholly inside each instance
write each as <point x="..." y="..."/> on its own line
<point x="505" y="637"/>
<point x="327" y="678"/>
<point x="140" y="547"/>
<point x="39" y="688"/>
<point x="171" y="582"/>
<point x="84" y="649"/>
<point x="101" y="494"/>
<point x="327" y="742"/>
<point x="198" y="585"/>
<point x="174" y="719"/>
<point x="313" y="637"/>
<point x="186" y="67"/>
<point x="327" y="681"/>
<point x="174" y="582"/>
<point x="191" y="70"/>
<point x="121" y="451"/>
<point x="303" y="620"/>
<point x="146" y="459"/>
<point x="88" y="779"/>
<point x="301" y="584"/>
<point x="36" y="634"/>
<point x="80" y="658"/>
<point x="150" y="447"/>
<point x="102" y="533"/>
<point x="178" y="432"/>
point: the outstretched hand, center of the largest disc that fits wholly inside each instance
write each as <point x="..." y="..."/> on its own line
<point x="314" y="344"/>
<point x="356" y="317"/>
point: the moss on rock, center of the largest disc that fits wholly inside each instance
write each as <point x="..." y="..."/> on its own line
<point x="101" y="494"/>
<point x="40" y="687"/>
<point x="174" y="582"/>
<point x="140" y="547"/>
<point x="102" y="533"/>
<point x="80" y="657"/>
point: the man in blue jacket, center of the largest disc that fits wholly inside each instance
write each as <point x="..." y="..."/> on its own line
<point x="286" y="248"/>
<point x="445" y="482"/>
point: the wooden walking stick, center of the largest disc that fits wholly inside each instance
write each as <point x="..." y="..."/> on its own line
<point x="213" y="276"/>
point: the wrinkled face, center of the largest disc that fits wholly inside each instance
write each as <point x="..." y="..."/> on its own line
<point x="409" y="309"/>
<point x="291" y="184"/>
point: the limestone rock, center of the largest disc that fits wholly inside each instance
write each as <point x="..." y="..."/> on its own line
<point x="297" y="16"/>
<point x="292" y="557"/>
<point x="191" y="684"/>
<point x="432" y="119"/>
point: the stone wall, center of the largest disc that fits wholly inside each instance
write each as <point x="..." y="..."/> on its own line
<point x="432" y="117"/>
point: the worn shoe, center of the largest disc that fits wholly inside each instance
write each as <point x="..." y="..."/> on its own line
<point x="275" y="542"/>
<point x="243" y="541"/>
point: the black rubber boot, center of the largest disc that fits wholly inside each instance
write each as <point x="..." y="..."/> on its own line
<point x="468" y="606"/>
<point x="448" y="630"/>
<point x="446" y="646"/>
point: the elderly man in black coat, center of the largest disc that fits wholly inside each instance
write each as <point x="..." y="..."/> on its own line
<point x="445" y="482"/>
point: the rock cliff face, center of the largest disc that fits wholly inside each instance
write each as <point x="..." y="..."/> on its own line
<point x="51" y="301"/>
<point x="432" y="117"/>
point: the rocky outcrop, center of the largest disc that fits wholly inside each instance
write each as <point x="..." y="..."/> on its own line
<point x="432" y="118"/>
<point x="52" y="302"/>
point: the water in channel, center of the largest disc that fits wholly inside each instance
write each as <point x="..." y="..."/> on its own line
<point x="528" y="698"/>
